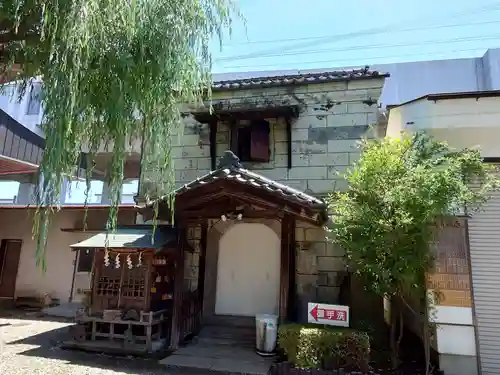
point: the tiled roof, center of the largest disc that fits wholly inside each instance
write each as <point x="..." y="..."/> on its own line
<point x="298" y="79"/>
<point x="230" y="168"/>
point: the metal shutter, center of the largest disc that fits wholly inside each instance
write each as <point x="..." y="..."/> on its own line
<point x="484" y="238"/>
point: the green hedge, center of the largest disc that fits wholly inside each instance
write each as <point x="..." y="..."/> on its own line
<point x="326" y="348"/>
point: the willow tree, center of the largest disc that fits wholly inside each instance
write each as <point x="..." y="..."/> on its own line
<point x="113" y="71"/>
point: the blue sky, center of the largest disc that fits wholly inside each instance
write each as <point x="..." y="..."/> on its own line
<point x="313" y="34"/>
<point x="301" y="34"/>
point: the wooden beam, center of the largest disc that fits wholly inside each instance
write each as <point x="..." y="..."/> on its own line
<point x="202" y="262"/>
<point x="198" y="197"/>
<point x="292" y="294"/>
<point x="215" y="212"/>
<point x="287" y="227"/>
<point x="246" y="113"/>
<point x="199" y="200"/>
<point x="178" y="294"/>
<point x="288" y="121"/>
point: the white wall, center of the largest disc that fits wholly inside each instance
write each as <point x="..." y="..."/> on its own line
<point x="31" y="281"/>
<point x="463" y="123"/>
<point x="248" y="261"/>
<point x="18" y="109"/>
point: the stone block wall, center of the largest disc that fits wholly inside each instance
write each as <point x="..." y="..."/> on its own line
<point x="319" y="264"/>
<point x="333" y="118"/>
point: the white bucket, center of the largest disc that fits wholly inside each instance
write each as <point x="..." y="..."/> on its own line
<point x="266" y="333"/>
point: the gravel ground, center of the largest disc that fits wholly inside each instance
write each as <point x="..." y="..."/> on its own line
<point x="30" y="345"/>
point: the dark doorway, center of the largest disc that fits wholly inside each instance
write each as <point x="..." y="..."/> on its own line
<point x="10" y="252"/>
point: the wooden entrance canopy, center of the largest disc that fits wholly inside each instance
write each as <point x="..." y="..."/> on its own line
<point x="231" y="188"/>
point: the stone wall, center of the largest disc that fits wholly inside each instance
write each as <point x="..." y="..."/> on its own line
<point x="319" y="264"/>
<point x="333" y="118"/>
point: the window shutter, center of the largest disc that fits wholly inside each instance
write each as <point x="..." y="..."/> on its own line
<point x="259" y="141"/>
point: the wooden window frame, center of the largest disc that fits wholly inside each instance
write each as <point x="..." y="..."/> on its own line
<point x="235" y="142"/>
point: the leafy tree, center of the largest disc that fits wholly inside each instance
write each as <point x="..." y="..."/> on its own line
<point x="398" y="191"/>
<point x="113" y="71"/>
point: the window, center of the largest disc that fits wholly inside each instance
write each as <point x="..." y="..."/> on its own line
<point x="251" y="142"/>
<point x="34" y="100"/>
<point x="85" y="260"/>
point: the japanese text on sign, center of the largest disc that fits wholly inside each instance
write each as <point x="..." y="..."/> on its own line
<point x="335" y="315"/>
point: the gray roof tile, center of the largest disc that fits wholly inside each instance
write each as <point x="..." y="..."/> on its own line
<point x="230" y="168"/>
<point x="297" y="79"/>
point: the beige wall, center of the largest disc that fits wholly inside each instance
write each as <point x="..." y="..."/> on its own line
<point x="463" y="123"/>
<point x="31" y="281"/>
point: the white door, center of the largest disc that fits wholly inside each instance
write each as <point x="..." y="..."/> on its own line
<point x="248" y="271"/>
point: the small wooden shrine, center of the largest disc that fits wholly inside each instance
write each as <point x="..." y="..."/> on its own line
<point x="131" y="303"/>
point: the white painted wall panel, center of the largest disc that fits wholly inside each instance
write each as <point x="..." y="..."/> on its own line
<point x="248" y="272"/>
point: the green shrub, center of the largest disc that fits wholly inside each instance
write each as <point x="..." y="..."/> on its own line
<point x="325" y="348"/>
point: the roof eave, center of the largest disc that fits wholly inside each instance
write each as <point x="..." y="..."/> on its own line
<point x="281" y="84"/>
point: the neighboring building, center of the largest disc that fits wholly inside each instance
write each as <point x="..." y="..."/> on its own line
<point x="21" y="277"/>
<point x="125" y="198"/>
<point x="21" y="150"/>
<point x="27" y="109"/>
<point x="469" y="331"/>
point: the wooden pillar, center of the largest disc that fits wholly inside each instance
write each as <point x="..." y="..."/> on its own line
<point x="287" y="269"/>
<point x="177" y="317"/>
<point x="201" y="263"/>
<point x="288" y="121"/>
<point x="292" y="294"/>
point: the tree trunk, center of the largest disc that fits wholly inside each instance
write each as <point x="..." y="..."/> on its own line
<point x="395" y="312"/>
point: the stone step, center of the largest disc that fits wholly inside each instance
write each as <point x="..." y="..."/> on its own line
<point x="246" y="342"/>
<point x="221" y="335"/>
<point x="221" y="331"/>
<point x="219" y="359"/>
<point x="216" y="367"/>
<point x="230" y="321"/>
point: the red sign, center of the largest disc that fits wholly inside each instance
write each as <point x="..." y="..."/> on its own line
<point x="335" y="315"/>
